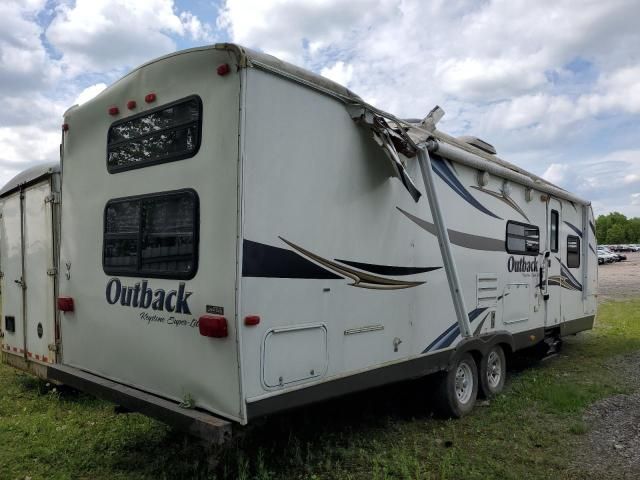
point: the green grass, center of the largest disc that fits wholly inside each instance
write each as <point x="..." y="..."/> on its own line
<point x="526" y="433"/>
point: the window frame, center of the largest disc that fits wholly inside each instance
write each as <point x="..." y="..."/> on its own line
<point x="578" y="253"/>
<point x="519" y="252"/>
<point x="171" y="158"/>
<point x="557" y="235"/>
<point x="173" y="275"/>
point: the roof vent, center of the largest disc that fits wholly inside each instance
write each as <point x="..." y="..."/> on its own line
<point x="481" y="144"/>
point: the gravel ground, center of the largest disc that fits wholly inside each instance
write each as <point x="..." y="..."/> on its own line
<point x="611" y="449"/>
<point x="620" y="280"/>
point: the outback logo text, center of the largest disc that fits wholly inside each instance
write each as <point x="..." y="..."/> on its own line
<point x="141" y="296"/>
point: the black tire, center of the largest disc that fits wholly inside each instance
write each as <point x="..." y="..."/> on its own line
<point x="453" y="399"/>
<point x="493" y="372"/>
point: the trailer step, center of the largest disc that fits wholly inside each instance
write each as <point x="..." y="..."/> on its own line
<point x="203" y="425"/>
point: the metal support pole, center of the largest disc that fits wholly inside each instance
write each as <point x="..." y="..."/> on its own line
<point x="585" y="251"/>
<point x="443" y="240"/>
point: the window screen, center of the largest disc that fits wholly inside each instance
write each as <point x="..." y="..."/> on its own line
<point x="523" y="239"/>
<point x="168" y="133"/>
<point x="573" y="251"/>
<point x="553" y="227"/>
<point x="152" y="235"/>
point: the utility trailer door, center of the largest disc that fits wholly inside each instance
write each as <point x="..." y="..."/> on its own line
<point x="27" y="284"/>
<point x="11" y="258"/>
<point x="39" y="276"/>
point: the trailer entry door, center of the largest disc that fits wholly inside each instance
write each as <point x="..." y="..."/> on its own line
<point x="554" y="274"/>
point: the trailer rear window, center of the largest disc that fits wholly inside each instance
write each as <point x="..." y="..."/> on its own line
<point x="165" y="134"/>
<point x="152" y="235"/>
<point x="573" y="251"/>
<point x="522" y="239"/>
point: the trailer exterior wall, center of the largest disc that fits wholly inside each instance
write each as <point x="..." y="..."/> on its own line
<point x="317" y="189"/>
<point x="149" y="349"/>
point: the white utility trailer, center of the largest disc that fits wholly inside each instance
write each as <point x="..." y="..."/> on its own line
<point x="29" y="223"/>
<point x="242" y="236"/>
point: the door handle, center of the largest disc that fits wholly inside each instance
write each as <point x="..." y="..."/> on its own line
<point x="21" y="283"/>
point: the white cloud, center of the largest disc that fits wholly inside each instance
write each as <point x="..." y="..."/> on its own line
<point x="195" y="28"/>
<point x="101" y="35"/>
<point x="556" y="173"/>
<point x="24" y="63"/>
<point x="89" y="93"/>
<point x="339" y="72"/>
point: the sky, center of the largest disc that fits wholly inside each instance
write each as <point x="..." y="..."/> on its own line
<point x="553" y="85"/>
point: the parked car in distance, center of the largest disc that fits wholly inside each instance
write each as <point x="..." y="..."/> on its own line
<point x="606" y="255"/>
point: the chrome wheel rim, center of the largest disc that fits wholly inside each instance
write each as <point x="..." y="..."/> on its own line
<point x="494" y="369"/>
<point x="464" y="383"/>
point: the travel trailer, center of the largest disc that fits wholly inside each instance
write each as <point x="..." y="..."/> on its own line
<point x="240" y="236"/>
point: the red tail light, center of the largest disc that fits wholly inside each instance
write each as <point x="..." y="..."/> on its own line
<point x="131" y="104"/>
<point x="114" y="110"/>
<point x="150" y="97"/>
<point x="65" y="127"/>
<point x="251" y="320"/>
<point x="223" y="69"/>
<point x="65" y="304"/>
<point x="213" y="326"/>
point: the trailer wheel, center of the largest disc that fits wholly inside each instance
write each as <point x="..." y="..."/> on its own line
<point x="493" y="372"/>
<point x="458" y="389"/>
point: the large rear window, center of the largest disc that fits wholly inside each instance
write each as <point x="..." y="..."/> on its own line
<point x="152" y="235"/>
<point x="165" y="134"/>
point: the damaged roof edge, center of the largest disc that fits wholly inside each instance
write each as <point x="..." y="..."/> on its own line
<point x="253" y="58"/>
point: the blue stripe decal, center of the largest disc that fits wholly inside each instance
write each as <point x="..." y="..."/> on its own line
<point x="591" y="248"/>
<point x="451" y="333"/>
<point x="593" y="227"/>
<point x="443" y="170"/>
<point x="574" y="228"/>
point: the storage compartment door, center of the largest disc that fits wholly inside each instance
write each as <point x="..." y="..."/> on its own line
<point x="11" y="258"/>
<point x="38" y="263"/>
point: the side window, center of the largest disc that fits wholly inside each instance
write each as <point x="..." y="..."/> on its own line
<point x="573" y="251"/>
<point x="522" y="239"/>
<point x="152" y="235"/>
<point x="554" y="231"/>
<point x="165" y="134"/>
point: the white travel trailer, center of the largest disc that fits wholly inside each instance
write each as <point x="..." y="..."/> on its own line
<point x="29" y="223"/>
<point x="242" y="236"/>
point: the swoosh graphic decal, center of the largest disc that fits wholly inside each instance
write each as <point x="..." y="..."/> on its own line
<point x="593" y="227"/>
<point x="440" y="167"/>
<point x="261" y="260"/>
<point x="386" y="269"/>
<point x="505" y="198"/>
<point x="360" y="279"/>
<point x="574" y="228"/>
<point x="461" y="239"/>
<point x="592" y="249"/>
<point x="566" y="277"/>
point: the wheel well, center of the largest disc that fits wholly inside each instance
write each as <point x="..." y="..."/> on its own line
<point x="477" y="356"/>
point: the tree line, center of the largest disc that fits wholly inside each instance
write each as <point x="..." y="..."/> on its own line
<point x="615" y="228"/>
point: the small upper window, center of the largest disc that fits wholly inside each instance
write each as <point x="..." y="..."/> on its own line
<point x="152" y="235"/>
<point x="553" y="227"/>
<point x="168" y="133"/>
<point x="573" y="251"/>
<point x="523" y="239"/>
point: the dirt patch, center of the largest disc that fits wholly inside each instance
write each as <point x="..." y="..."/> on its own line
<point x="620" y="280"/>
<point x="611" y="449"/>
